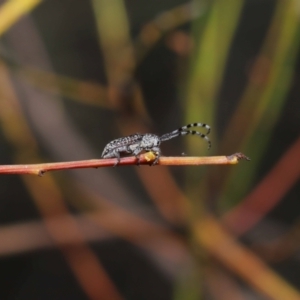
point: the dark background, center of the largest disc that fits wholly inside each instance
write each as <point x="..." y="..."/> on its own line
<point x="77" y="74"/>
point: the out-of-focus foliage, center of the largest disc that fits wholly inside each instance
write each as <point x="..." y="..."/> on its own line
<point x="76" y="74"/>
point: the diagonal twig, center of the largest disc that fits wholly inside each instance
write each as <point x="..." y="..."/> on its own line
<point x="145" y="159"/>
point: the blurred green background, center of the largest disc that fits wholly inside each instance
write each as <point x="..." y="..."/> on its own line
<point x="75" y="75"/>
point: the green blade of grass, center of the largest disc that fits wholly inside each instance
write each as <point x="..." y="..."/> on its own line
<point x="207" y="68"/>
<point x="251" y="127"/>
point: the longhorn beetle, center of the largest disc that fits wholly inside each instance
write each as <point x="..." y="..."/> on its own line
<point x="136" y="143"/>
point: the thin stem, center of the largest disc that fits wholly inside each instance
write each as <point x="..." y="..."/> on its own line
<point x="145" y="159"/>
